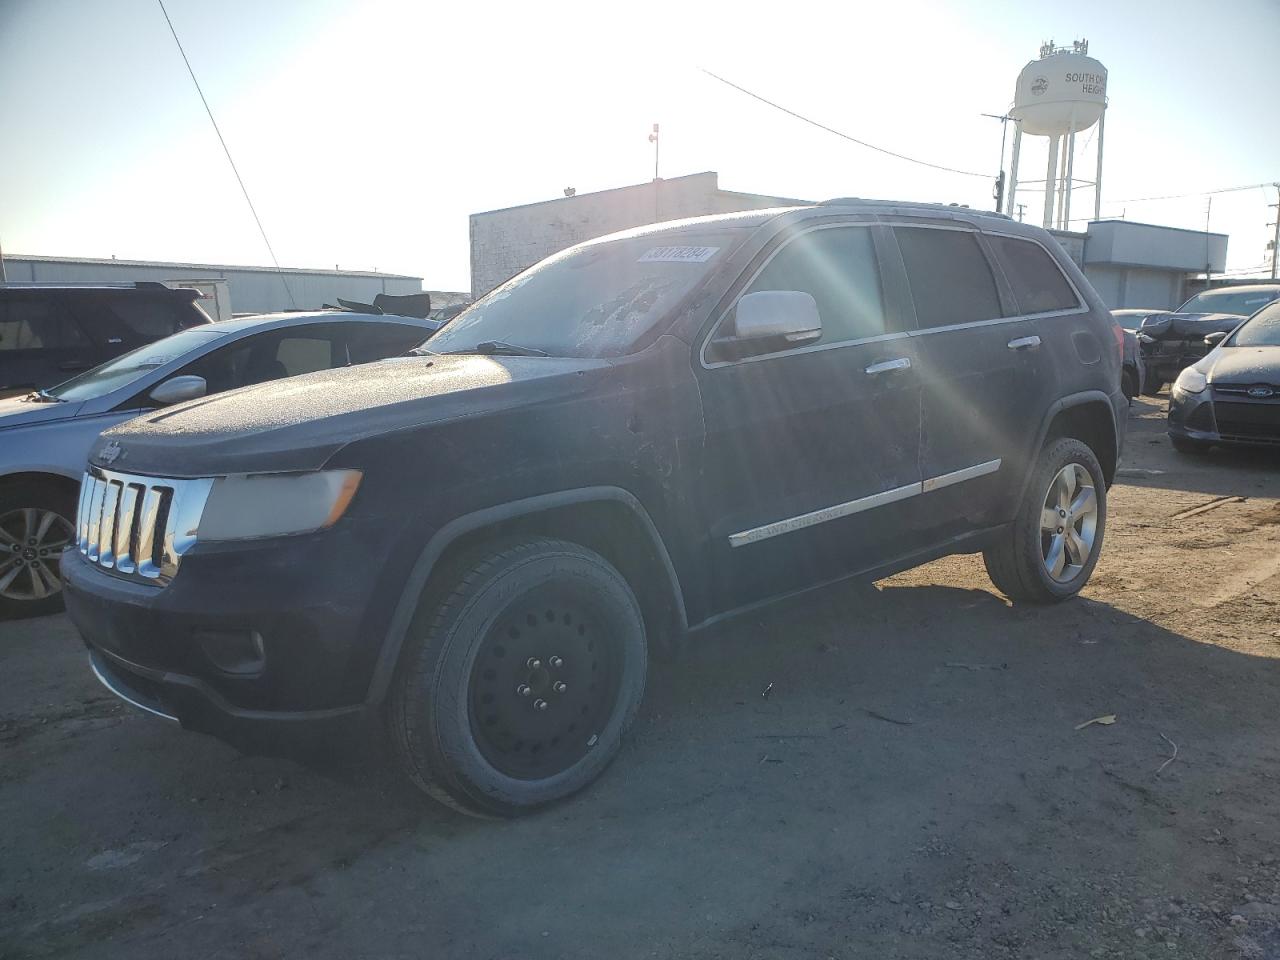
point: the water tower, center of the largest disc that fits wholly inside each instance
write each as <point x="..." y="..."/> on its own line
<point x="1061" y="94"/>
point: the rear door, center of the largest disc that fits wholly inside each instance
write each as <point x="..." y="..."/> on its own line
<point x="810" y="455"/>
<point x="978" y="368"/>
<point x="40" y="343"/>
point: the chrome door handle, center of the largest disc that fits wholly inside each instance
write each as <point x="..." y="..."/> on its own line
<point x="1025" y="343"/>
<point x="902" y="363"/>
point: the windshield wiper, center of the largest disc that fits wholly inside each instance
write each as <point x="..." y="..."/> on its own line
<point x="41" y="396"/>
<point x="491" y="348"/>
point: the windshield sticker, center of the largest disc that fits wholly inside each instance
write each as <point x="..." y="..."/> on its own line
<point x="679" y="255"/>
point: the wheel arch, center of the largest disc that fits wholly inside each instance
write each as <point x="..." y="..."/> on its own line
<point x="609" y="520"/>
<point x="1088" y="416"/>
<point x="64" y="483"/>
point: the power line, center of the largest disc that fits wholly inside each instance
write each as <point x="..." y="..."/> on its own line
<point x="225" y="149"/>
<point x="1201" y="193"/>
<point x="838" y="133"/>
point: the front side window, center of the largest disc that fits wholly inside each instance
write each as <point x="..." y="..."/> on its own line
<point x="598" y="299"/>
<point x="1037" y="282"/>
<point x="951" y="280"/>
<point x="38" y="325"/>
<point x="837" y="266"/>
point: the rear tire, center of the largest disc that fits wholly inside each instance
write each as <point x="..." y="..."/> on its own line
<point x="519" y="684"/>
<point x="37" y="520"/>
<point x="1050" y="550"/>
<point x="1129" y="384"/>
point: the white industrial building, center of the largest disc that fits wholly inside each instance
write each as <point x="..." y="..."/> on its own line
<point x="505" y="242"/>
<point x="252" y="289"/>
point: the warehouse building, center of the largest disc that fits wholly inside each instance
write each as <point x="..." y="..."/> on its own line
<point x="1130" y="264"/>
<point x="252" y="289"/>
<point x="505" y="242"/>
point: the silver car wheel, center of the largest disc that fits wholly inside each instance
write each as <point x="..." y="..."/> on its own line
<point x="1068" y="523"/>
<point x="31" y="545"/>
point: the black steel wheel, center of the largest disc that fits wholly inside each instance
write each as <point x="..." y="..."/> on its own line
<point x="521" y="678"/>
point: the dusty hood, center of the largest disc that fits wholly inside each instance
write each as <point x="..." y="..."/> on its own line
<point x="16" y="412"/>
<point x="299" y="423"/>
<point x="1246" y="365"/>
<point x="1188" y="326"/>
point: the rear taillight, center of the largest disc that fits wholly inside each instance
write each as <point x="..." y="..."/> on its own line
<point x="1118" y="332"/>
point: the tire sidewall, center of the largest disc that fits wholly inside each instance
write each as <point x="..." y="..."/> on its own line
<point x="28" y="494"/>
<point x="463" y="636"/>
<point x="1057" y="455"/>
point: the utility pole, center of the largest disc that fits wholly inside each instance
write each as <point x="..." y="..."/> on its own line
<point x="998" y="195"/>
<point x="2" y="275"/>
<point x="1021" y="211"/>
<point x="653" y="138"/>
<point x="1275" y="240"/>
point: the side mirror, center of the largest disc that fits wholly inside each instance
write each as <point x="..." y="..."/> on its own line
<point x="788" y="316"/>
<point x="178" y="389"/>
<point x="1211" y="340"/>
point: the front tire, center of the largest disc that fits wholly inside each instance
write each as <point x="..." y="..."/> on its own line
<point x="521" y="681"/>
<point x="36" y="522"/>
<point x="1051" y="548"/>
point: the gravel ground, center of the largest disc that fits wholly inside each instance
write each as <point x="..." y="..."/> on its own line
<point x="915" y="785"/>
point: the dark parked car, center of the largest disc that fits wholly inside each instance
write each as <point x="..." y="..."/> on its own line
<point x="49" y="332"/>
<point x="1171" y="342"/>
<point x="46" y="435"/>
<point x="1133" y="371"/>
<point x="638" y="437"/>
<point x="1232" y="396"/>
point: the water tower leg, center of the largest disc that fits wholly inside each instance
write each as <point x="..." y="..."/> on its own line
<point x="1050" y="183"/>
<point x="1009" y="206"/>
<point x="1097" y="182"/>
<point x="1062" y="179"/>
<point x="1071" y="164"/>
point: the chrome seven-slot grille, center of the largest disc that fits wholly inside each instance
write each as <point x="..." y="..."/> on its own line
<point x="138" y="527"/>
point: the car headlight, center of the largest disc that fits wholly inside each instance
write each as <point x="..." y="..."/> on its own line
<point x="1191" y="380"/>
<point x="274" y="505"/>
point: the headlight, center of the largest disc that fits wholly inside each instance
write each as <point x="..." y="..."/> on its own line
<point x="273" y="505"/>
<point x="1191" y="380"/>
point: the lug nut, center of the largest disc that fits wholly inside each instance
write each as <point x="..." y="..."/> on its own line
<point x="523" y="690"/>
<point x="533" y="663"/>
<point x="540" y="704"/>
<point x="560" y="686"/>
<point x="556" y="662"/>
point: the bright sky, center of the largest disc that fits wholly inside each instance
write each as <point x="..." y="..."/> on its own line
<point x="368" y="131"/>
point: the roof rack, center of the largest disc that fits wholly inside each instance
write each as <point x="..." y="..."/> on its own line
<point x="948" y="207"/>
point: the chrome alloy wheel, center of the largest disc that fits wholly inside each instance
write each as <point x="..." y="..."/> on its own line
<point x="1068" y="523"/>
<point x="31" y="544"/>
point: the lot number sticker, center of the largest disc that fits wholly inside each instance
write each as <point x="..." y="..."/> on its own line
<point x="679" y="255"/>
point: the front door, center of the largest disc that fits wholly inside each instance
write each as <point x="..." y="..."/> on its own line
<point x="810" y="453"/>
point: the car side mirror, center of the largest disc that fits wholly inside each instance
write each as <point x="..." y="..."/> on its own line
<point x="178" y="389"/>
<point x="1211" y="340"/>
<point x="769" y="320"/>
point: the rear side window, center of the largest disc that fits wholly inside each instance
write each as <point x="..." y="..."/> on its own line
<point x="1036" y="280"/>
<point x="951" y="280"/>
<point x="147" y="318"/>
<point x="838" y="267"/>
<point x="38" y="325"/>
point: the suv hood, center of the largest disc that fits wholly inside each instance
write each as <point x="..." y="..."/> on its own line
<point x="1245" y="365"/>
<point x="16" y="412"/>
<point x="300" y="422"/>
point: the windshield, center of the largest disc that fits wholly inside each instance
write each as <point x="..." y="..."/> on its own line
<point x="1240" y="302"/>
<point x="131" y="366"/>
<point x="1262" y="330"/>
<point x="594" y="300"/>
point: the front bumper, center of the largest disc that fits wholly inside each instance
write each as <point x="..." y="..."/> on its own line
<point x="259" y="643"/>
<point x="1210" y="417"/>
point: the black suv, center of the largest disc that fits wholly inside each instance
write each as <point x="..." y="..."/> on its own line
<point x="638" y="437"/>
<point x="50" y="332"/>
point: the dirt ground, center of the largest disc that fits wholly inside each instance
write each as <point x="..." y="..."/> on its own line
<point x="915" y="785"/>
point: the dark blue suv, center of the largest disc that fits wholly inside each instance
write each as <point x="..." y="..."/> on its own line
<point x="474" y="547"/>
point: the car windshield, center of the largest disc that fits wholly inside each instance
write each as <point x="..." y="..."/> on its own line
<point x="1239" y="302"/>
<point x="594" y="300"/>
<point x="1262" y="330"/>
<point x="131" y="366"/>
